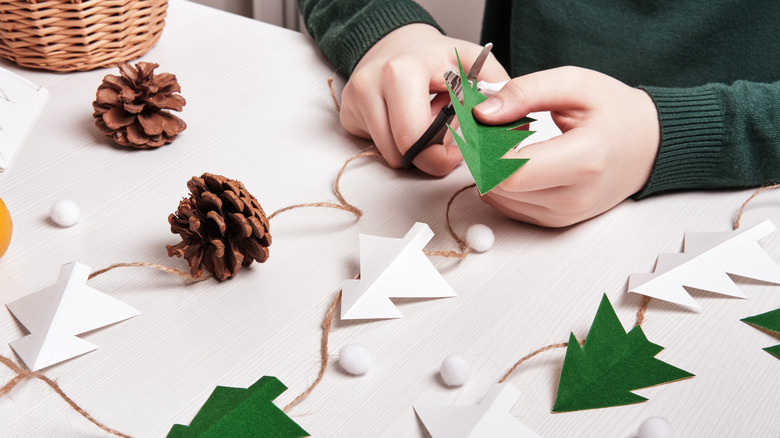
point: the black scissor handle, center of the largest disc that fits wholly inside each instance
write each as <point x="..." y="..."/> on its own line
<point x="433" y="135"/>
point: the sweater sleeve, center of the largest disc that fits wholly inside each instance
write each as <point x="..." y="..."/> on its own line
<point x="345" y="29"/>
<point x="716" y="136"/>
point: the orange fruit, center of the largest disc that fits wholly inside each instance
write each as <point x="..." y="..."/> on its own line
<point x="6" y="226"/>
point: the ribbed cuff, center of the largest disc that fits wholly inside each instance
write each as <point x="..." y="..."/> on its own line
<point x="374" y="26"/>
<point x="692" y="129"/>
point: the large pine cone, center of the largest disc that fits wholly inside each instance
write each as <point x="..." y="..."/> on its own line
<point x="222" y="227"/>
<point x="130" y="108"/>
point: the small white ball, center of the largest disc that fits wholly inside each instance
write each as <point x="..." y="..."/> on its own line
<point x="65" y="213"/>
<point x="655" y="427"/>
<point x="355" y="359"/>
<point x="455" y="370"/>
<point x="480" y="237"/>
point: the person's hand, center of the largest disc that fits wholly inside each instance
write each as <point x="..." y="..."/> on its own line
<point x="606" y="152"/>
<point x="387" y="97"/>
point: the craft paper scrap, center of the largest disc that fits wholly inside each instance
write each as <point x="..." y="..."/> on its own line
<point x="706" y="260"/>
<point x="611" y="364"/>
<point x="55" y="315"/>
<point x="769" y="321"/>
<point x="392" y="268"/>
<point x="239" y="413"/>
<point x="20" y="103"/>
<point x="483" y="146"/>
<point x="489" y="419"/>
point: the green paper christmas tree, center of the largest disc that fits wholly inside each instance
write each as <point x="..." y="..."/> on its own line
<point x="611" y="364"/>
<point x="769" y="321"/>
<point x="483" y="146"/>
<point x="238" y="413"/>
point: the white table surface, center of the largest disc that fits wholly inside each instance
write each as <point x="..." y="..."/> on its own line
<point x="258" y="110"/>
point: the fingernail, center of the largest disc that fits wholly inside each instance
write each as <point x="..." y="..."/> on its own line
<point x="490" y="106"/>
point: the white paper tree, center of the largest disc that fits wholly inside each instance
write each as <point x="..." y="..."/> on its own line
<point x="489" y="419"/>
<point x="56" y="314"/>
<point x="392" y="268"/>
<point x="706" y="260"/>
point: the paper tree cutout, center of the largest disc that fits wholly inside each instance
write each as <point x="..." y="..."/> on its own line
<point x="483" y="146"/>
<point x="489" y="419"/>
<point x="239" y="413"/>
<point x="611" y="364"/>
<point x="392" y="268"/>
<point x="55" y="315"/>
<point x="704" y="264"/>
<point x="769" y="321"/>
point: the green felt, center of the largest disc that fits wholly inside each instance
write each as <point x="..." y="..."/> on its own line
<point x="482" y="146"/>
<point x="769" y="321"/>
<point x="611" y="364"/>
<point x="238" y="412"/>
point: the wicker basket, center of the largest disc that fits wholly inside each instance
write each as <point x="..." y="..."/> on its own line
<point x="69" y="35"/>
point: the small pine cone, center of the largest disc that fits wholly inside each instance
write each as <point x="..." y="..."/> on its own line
<point x="222" y="227"/>
<point x="130" y="109"/>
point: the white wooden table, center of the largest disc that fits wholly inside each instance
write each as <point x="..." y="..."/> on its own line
<point x="259" y="111"/>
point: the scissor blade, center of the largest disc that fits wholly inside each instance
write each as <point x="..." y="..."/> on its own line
<point x="453" y="80"/>
<point x="479" y="62"/>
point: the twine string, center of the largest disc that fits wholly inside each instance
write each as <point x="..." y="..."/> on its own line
<point x="22" y="374"/>
<point x="179" y="273"/>
<point x="343" y="204"/>
<point x="333" y="94"/>
<point x="463" y="247"/>
<point x="752" y="197"/>
<point x="327" y="327"/>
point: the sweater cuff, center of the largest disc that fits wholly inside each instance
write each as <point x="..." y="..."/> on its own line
<point x="692" y="129"/>
<point x="374" y="26"/>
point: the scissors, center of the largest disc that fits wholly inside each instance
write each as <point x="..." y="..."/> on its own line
<point x="435" y="133"/>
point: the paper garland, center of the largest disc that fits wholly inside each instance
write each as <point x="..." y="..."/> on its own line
<point x="56" y="314"/>
<point x="239" y="413"/>
<point x="769" y="321"/>
<point x="612" y="363"/>
<point x="704" y="264"/>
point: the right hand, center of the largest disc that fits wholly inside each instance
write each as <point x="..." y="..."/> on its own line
<point x="387" y="98"/>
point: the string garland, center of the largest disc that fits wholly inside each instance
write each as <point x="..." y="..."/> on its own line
<point x="327" y="323"/>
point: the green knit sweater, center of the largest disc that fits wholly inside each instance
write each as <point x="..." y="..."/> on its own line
<point x="712" y="68"/>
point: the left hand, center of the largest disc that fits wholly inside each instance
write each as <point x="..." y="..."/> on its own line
<point x="606" y="153"/>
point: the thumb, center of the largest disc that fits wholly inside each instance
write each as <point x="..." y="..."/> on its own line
<point x="547" y="90"/>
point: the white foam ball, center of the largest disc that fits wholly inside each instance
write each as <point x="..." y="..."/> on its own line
<point x="655" y="427"/>
<point x="65" y="213"/>
<point x="355" y="359"/>
<point x="480" y="237"/>
<point x="455" y="370"/>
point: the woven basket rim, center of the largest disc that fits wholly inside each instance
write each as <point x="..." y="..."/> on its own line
<point x="69" y="35"/>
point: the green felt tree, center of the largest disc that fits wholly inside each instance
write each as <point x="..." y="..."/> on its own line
<point x="238" y="412"/>
<point x="483" y="146"/>
<point x="769" y="321"/>
<point x="610" y="364"/>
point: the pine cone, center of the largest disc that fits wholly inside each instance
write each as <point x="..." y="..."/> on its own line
<point x="222" y="227"/>
<point x="130" y="108"/>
